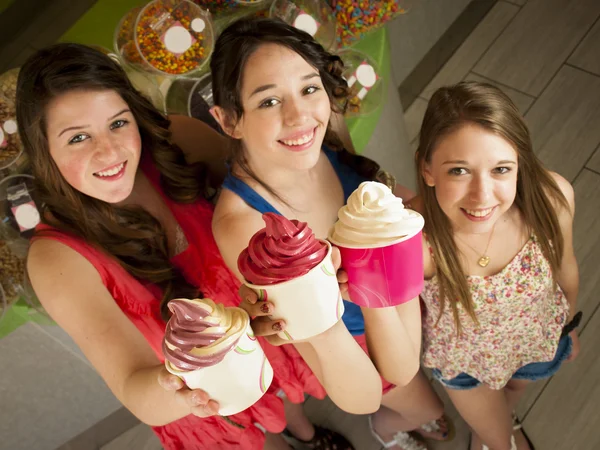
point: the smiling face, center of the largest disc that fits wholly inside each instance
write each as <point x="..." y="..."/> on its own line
<point x="474" y="173"/>
<point x="95" y="142"/>
<point x="286" y="109"/>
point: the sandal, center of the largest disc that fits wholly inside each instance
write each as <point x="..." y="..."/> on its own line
<point x="517" y="425"/>
<point x="434" y="427"/>
<point x="324" y="439"/>
<point x="401" y="439"/>
<point x="513" y="443"/>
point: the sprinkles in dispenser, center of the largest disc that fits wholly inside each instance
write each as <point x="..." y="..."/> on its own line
<point x="173" y="37"/>
<point x="225" y="6"/>
<point x="356" y="18"/>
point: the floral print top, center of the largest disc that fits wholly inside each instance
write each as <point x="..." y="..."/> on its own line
<point x="520" y="322"/>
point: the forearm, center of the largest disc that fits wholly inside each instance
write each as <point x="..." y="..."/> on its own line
<point x="410" y="315"/>
<point x="569" y="283"/>
<point x="344" y="369"/>
<point x="391" y="346"/>
<point x="148" y="401"/>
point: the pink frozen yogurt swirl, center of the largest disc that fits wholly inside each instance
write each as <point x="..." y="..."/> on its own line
<point x="283" y="250"/>
<point x="201" y="333"/>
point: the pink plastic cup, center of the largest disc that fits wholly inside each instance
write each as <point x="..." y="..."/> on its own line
<point x="380" y="277"/>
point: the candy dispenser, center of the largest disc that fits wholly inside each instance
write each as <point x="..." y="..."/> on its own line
<point x="148" y="85"/>
<point x="8" y="84"/>
<point x="192" y="97"/>
<point x="357" y="18"/>
<point x="217" y="6"/>
<point x="12" y="158"/>
<point x="228" y="11"/>
<point x="166" y="37"/>
<point x="313" y="16"/>
<point x="365" y="82"/>
<point x="227" y="6"/>
<point x="12" y="270"/>
<point x="18" y="217"/>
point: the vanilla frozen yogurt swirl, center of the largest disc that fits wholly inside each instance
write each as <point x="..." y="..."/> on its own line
<point x="201" y="333"/>
<point x="373" y="215"/>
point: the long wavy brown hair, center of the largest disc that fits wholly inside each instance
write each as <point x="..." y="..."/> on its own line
<point x="537" y="193"/>
<point x="233" y="49"/>
<point x="129" y="234"/>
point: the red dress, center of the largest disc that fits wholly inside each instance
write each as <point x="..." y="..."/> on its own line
<point x="203" y="266"/>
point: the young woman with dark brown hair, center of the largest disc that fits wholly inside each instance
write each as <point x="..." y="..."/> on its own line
<point x="276" y="91"/>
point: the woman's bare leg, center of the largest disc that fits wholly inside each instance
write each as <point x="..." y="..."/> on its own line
<point x="297" y="422"/>
<point x="514" y="391"/>
<point x="407" y="408"/>
<point x="275" y="442"/>
<point x="486" y="411"/>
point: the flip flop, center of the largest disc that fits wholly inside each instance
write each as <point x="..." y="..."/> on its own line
<point x="517" y="425"/>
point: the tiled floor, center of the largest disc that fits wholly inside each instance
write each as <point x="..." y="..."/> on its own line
<point x="546" y="55"/>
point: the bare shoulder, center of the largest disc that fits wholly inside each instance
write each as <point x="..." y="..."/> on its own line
<point x="234" y="223"/>
<point x="233" y="213"/>
<point x="567" y="190"/>
<point x="59" y="276"/>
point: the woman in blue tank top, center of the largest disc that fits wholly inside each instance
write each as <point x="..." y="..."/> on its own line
<point x="275" y="89"/>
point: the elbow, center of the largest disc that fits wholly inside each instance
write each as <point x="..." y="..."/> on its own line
<point x="370" y="407"/>
<point x="151" y="420"/>
<point x="152" y="423"/>
<point x="153" y="417"/>
<point x="366" y="406"/>
<point x="405" y="376"/>
<point x="368" y="402"/>
<point x="146" y="417"/>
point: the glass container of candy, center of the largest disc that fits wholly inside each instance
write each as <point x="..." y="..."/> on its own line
<point x="167" y="37"/>
<point x="12" y="158"/>
<point x="356" y="18"/>
<point x="19" y="215"/>
<point x="364" y="81"/>
<point x="8" y="84"/>
<point x="192" y="97"/>
<point x="226" y="12"/>
<point x="313" y="16"/>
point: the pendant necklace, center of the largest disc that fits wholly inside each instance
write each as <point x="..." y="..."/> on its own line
<point x="484" y="260"/>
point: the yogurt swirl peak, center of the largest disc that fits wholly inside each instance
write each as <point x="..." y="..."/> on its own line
<point x="201" y="333"/>
<point x="373" y="215"/>
<point x="283" y="250"/>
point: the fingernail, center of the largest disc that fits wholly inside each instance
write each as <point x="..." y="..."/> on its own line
<point x="277" y="326"/>
<point x="264" y="308"/>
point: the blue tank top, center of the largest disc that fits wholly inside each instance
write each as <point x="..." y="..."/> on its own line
<point x="350" y="180"/>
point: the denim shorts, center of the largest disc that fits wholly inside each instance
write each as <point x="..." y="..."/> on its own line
<point x="531" y="372"/>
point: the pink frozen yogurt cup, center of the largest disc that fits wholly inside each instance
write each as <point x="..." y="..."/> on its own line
<point x="383" y="276"/>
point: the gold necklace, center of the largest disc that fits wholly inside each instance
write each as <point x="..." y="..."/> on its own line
<point x="484" y="260"/>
